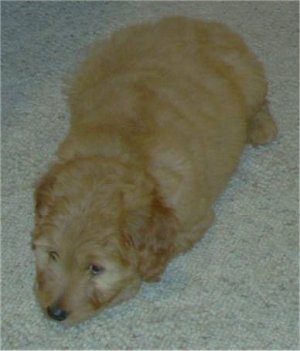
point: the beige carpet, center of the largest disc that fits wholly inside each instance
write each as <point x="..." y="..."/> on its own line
<point x="238" y="288"/>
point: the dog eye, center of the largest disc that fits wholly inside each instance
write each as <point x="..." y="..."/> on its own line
<point x="53" y="255"/>
<point x="95" y="269"/>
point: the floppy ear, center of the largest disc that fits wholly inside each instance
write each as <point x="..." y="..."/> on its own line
<point x="154" y="241"/>
<point x="43" y="195"/>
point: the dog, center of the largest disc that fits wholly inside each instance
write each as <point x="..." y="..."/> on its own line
<point x="160" y="114"/>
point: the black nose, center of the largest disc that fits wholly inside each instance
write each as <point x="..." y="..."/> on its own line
<point x="57" y="313"/>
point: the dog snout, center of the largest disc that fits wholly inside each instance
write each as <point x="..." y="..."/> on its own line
<point x="57" y="313"/>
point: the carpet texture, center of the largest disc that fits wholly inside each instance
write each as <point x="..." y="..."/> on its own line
<point x="237" y="288"/>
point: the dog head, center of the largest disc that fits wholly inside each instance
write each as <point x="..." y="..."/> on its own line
<point x="101" y="228"/>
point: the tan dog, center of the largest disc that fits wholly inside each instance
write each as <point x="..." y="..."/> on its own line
<point x="160" y="116"/>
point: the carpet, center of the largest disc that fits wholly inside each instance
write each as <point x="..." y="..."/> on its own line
<point x="236" y="289"/>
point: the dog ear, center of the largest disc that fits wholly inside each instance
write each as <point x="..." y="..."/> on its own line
<point x="43" y="197"/>
<point x="154" y="240"/>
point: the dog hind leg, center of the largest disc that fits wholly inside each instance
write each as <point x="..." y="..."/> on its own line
<point x="262" y="128"/>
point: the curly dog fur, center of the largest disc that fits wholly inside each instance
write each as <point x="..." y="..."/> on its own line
<point x="160" y="114"/>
